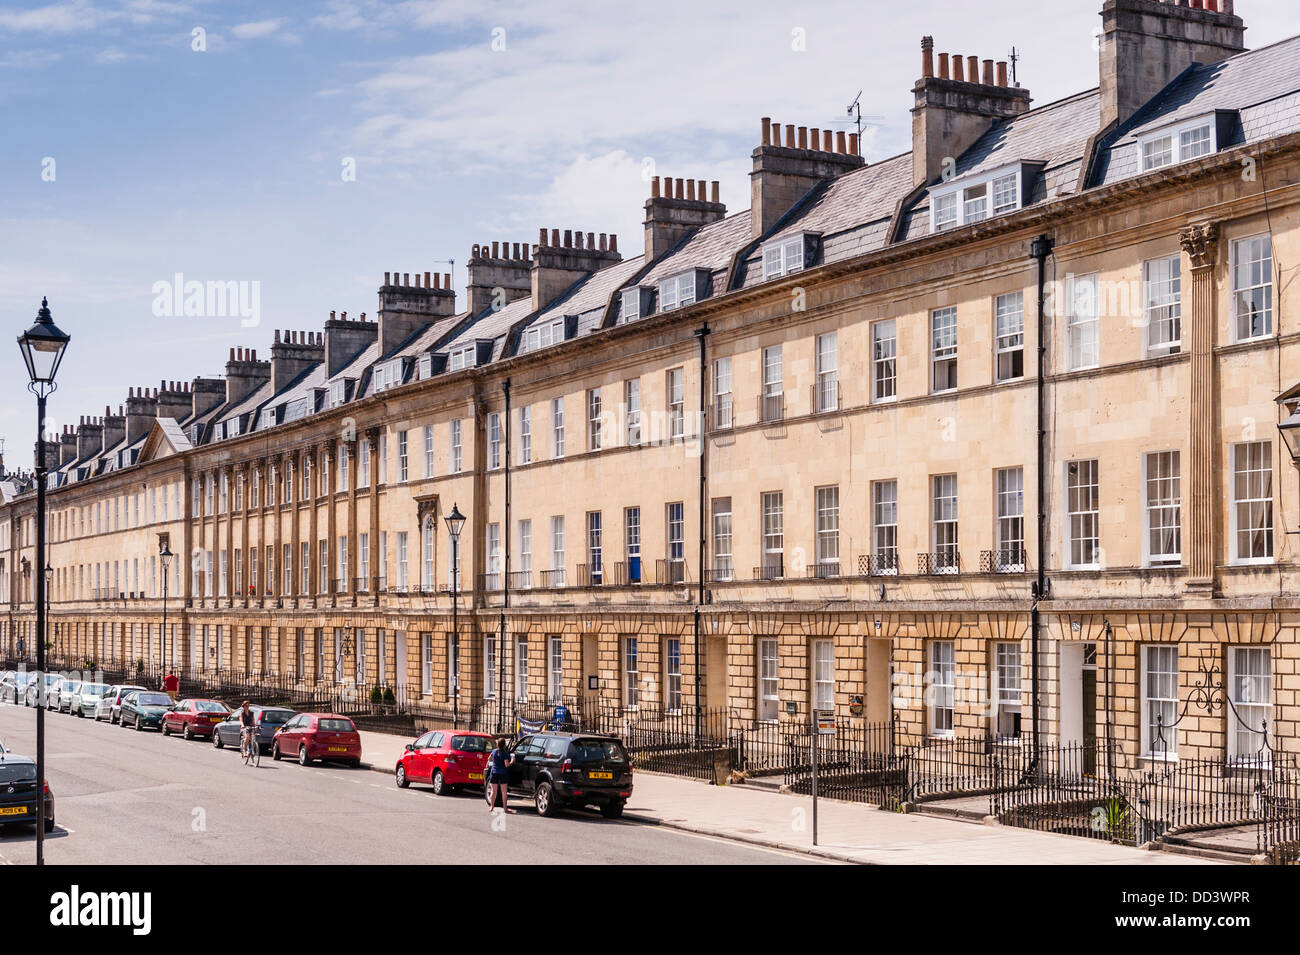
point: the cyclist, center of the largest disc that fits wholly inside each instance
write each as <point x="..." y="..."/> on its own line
<point x="247" y="728"/>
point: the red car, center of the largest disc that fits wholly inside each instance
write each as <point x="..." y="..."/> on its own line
<point x="323" y="736"/>
<point x="446" y="759"/>
<point x="193" y="718"/>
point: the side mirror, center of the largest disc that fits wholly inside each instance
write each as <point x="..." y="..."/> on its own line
<point x="410" y="747"/>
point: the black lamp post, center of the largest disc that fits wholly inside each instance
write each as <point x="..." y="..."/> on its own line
<point x="42" y="346"/>
<point x="455" y="522"/>
<point x="165" y="556"/>
<point x="49" y="577"/>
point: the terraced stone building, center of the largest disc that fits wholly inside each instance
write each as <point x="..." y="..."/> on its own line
<point x="977" y="435"/>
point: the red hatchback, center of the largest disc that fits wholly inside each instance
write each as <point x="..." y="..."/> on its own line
<point x="193" y="718"/>
<point x="446" y="759"/>
<point x="323" y="736"/>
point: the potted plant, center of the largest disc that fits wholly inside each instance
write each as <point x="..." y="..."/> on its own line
<point x="389" y="699"/>
<point x="376" y="699"/>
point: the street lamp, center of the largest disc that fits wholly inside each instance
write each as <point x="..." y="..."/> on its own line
<point x="49" y="577"/>
<point x="42" y="346"/>
<point x="165" y="556"/>
<point x="455" y="522"/>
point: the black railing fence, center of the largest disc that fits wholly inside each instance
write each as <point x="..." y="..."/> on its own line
<point x="1278" y="833"/>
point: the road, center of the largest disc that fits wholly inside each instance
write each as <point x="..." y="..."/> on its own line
<point x="138" y="798"/>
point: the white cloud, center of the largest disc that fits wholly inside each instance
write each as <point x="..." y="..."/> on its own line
<point x="70" y="17"/>
<point x="257" y="30"/>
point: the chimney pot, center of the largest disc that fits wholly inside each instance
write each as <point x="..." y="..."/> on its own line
<point x="406" y="280"/>
<point x="943" y="66"/>
<point x="690" y="189"/>
<point x="987" y="77"/>
<point x="555" y="238"/>
<point x="679" y="189"/>
<point x="1002" y="73"/>
<point x="927" y="57"/>
<point x="446" y="281"/>
<point x="613" y="242"/>
<point x="568" y="238"/>
<point x="713" y="191"/>
<point x="654" y="188"/>
<point x="232" y="354"/>
<point x="603" y="241"/>
<point x="767" y="130"/>
<point x="973" y="69"/>
<point x="417" y="279"/>
<point x="828" y="144"/>
<point x="541" y="240"/>
<point x="387" y="279"/>
<point x="789" y="135"/>
<point x="494" y="251"/>
<point x="591" y="240"/>
<point x="803" y="137"/>
<point x="839" y="142"/>
<point x="426" y="279"/>
<point x="516" y="251"/>
<point x="958" y="70"/>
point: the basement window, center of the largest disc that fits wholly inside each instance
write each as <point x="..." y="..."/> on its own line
<point x="784" y="256"/>
<point x="1177" y="144"/>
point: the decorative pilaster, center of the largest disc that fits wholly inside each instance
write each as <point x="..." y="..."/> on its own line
<point x="1200" y="544"/>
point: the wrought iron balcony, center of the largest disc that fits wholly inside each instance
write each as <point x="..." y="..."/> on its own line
<point x="772" y="568"/>
<point x="1004" y="560"/>
<point x="771" y="407"/>
<point x="824" y="569"/>
<point x="552" y="579"/>
<point x="883" y="564"/>
<point x="824" y="397"/>
<point x="670" y="571"/>
<point x="722" y="413"/>
<point x="943" y="562"/>
<point x="521" y="580"/>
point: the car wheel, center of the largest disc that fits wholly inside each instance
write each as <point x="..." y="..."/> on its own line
<point x="166" y="731"/>
<point x="49" y="825"/>
<point x="303" y="758"/>
<point x="139" y="727"/>
<point x="275" y="752"/>
<point x="402" y="781"/>
<point x="612" y="810"/>
<point x="187" y="733"/>
<point x="216" y="740"/>
<point x="544" y="799"/>
<point x="439" y="783"/>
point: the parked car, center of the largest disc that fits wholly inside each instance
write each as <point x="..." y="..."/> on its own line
<point x="43" y="691"/>
<point x="18" y="791"/>
<point x="144" y="708"/>
<point x="87" y="698"/>
<point x="562" y="770"/>
<point x="67" y="690"/>
<point x="269" y="720"/>
<point x="446" y="759"/>
<point x="323" y="736"/>
<point x="13" y="689"/>
<point x="110" y="704"/>
<point x="193" y="718"/>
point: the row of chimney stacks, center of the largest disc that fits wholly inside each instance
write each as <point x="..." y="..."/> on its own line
<point x="804" y="137"/>
<point x="994" y="74"/>
<point x="431" y="280"/>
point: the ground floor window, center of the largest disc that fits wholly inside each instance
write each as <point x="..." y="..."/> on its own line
<point x="1250" y="687"/>
<point x="823" y="665"/>
<point x="768" y="681"/>
<point x="1160" y="701"/>
<point x="631" y="674"/>
<point x="426" y="664"/>
<point x="943" y="686"/>
<point x="1006" y="692"/>
<point x="673" y="675"/>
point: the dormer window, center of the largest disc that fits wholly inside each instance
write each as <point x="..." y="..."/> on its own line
<point x="461" y="357"/>
<point x="425" y="369"/>
<point x="544" y="334"/>
<point x="784" y="256"/>
<point x="268" y="418"/>
<point x="1177" y="144"/>
<point x="338" y="393"/>
<point x="678" y="291"/>
<point x="636" y="302"/>
<point x="388" y="375"/>
<point x="976" y="199"/>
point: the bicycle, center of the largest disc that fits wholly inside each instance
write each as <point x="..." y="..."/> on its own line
<point x="250" y="748"/>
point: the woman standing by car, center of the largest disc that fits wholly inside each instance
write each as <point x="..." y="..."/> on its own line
<point x="499" y="777"/>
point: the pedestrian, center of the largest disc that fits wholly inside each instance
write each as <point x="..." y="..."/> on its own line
<point x="499" y="777"/>
<point x="172" y="685"/>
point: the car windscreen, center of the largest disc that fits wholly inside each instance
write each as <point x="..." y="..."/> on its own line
<point x="94" y="689"/>
<point x="72" y="686"/>
<point x="17" y="772"/>
<point x="585" y="750"/>
<point x="471" y="744"/>
<point x="210" y="706"/>
<point x="275" y="717"/>
<point x="153" y="699"/>
<point x="337" y="726"/>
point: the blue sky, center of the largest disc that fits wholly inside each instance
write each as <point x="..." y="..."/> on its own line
<point x="466" y="121"/>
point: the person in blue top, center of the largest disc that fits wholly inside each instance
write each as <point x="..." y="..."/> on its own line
<point x="499" y="777"/>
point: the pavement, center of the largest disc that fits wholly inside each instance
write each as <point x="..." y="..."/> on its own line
<point x="847" y="832"/>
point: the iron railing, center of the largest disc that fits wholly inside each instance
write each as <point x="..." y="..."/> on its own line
<point x="938" y="562"/>
<point x="1004" y="560"/>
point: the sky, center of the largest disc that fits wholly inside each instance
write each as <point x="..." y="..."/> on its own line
<point x="303" y="149"/>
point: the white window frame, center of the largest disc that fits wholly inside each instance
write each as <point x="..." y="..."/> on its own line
<point x="1008" y="336"/>
<point x="823" y="675"/>
<point x="724" y="567"/>
<point x="784" y="256"/>
<point x="526" y="434"/>
<point x="557" y="427"/>
<point x="974" y="199"/>
<point x="676" y="388"/>
<point x="945" y="529"/>
<point x="457" y="449"/>
<point x="1250" y="688"/>
<point x="631" y="304"/>
<point x="1082" y="513"/>
<point x="1155" y="153"/>
<point x="677" y="291"/>
<point x="594" y="432"/>
<point x="1009" y="519"/>
<point x="494" y="440"/>
<point x="1160" y="674"/>
<point x="943" y="349"/>
<point x="827" y="384"/>
<point x="554" y="670"/>
<point x="769" y="681"/>
<point x="462" y="357"/>
<point x="672" y="662"/>
<point x="884" y="526"/>
<point x="940" y="695"/>
<point x="724" y="405"/>
<point x="1007" y="699"/>
<point x="1083" y="328"/>
<point x="827" y="529"/>
<point x="1162" y="307"/>
<point x="631" y="673"/>
<point x="632" y="404"/>
<point x="1251" y="258"/>
<point x="1161" y="507"/>
<point x="1254" y="499"/>
<point x="884" y="360"/>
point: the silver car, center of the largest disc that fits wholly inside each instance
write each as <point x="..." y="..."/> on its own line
<point x="109" y="706"/>
<point x="67" y="690"/>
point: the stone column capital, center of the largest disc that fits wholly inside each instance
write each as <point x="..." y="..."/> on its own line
<point x="1200" y="241"/>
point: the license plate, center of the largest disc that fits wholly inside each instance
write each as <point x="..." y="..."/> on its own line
<point x="475" y="775"/>
<point x="338" y="749"/>
<point x="601" y="775"/>
<point x="14" y="811"/>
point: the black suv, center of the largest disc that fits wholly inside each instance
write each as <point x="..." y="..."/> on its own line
<point x="561" y="770"/>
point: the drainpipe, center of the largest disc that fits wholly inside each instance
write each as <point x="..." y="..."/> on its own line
<point x="703" y="335"/>
<point x="505" y="578"/>
<point x="1040" y="249"/>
